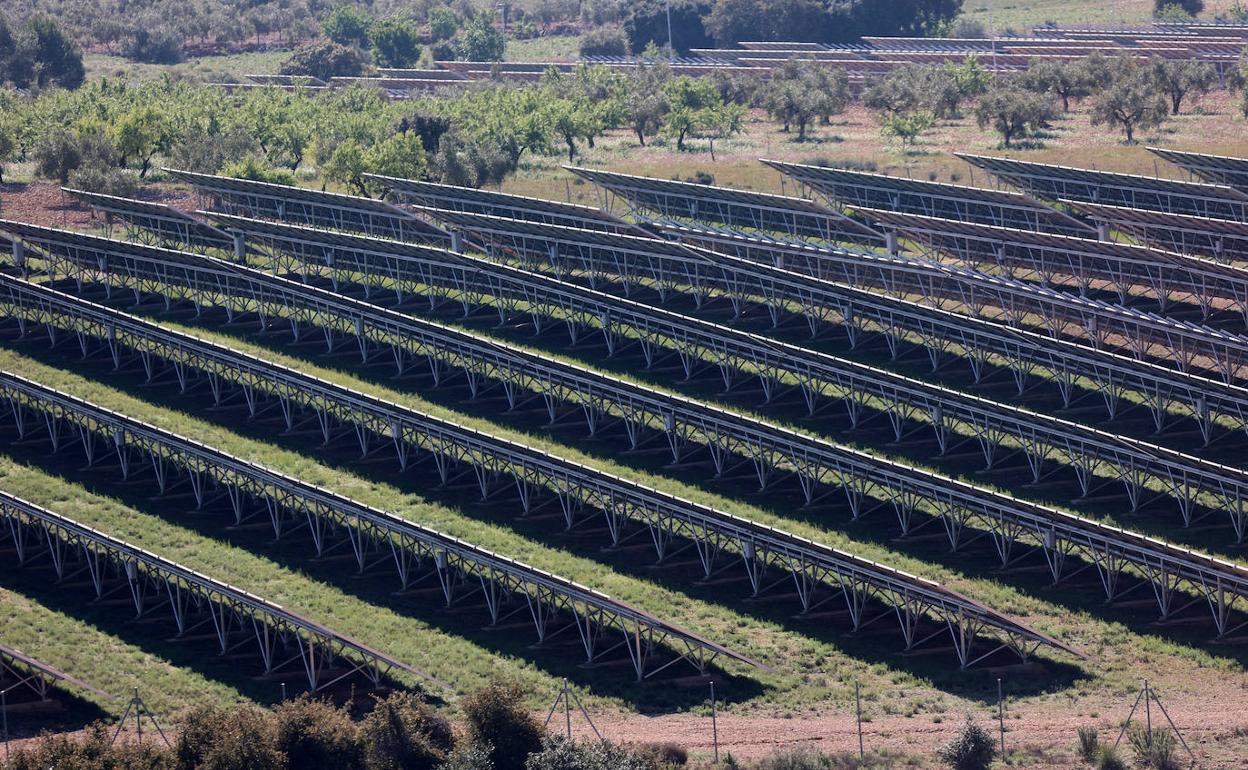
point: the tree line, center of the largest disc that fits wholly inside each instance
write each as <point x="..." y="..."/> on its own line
<point x="1125" y="93"/>
<point x="109" y="135"/>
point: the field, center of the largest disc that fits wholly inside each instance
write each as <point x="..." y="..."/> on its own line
<point x="805" y="695"/>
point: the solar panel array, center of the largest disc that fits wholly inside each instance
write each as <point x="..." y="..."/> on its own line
<point x="1042" y="290"/>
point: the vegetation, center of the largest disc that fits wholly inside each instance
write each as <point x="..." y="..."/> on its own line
<point x="1131" y="100"/>
<point x="1012" y="111"/>
<point x="973" y="748"/>
<point x="39" y="54"/>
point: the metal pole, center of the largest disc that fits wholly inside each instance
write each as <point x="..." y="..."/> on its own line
<point x="1001" y="715"/>
<point x="567" y="709"/>
<point x="858" y="710"/>
<point x="671" y="49"/>
<point x="138" y="715"/>
<point x="1148" y="712"/>
<point x="714" y="724"/>
<point x="283" y="692"/>
<point x="4" y="713"/>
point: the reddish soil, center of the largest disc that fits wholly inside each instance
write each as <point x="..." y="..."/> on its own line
<point x="1215" y="726"/>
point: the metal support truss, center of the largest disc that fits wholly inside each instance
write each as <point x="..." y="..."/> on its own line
<point x="955" y="416"/>
<point x="156" y="224"/>
<point x="310" y="207"/>
<point x="568" y="252"/>
<point x="745" y="211"/>
<point x="1060" y="261"/>
<point x="239" y="621"/>
<point x="857" y="189"/>
<point x="233" y="377"/>
<point x="374" y="536"/>
<point x="1139" y="192"/>
<point x="910" y="491"/>
<point x="19" y="670"/>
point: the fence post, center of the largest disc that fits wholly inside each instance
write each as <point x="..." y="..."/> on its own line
<point x="714" y="725"/>
<point x="1001" y="715"/>
<point x="858" y="710"/>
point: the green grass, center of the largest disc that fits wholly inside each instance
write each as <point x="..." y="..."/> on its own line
<point x="1019" y="16"/>
<point x="1121" y="653"/>
<point x="226" y="68"/>
<point x="547" y="48"/>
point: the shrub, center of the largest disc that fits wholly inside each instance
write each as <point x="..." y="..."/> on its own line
<point x="480" y="40"/>
<point x="313" y="733"/>
<point x="103" y="178"/>
<point x="57" y="153"/>
<point x="257" y="170"/>
<point x="347" y="25"/>
<point x="558" y="753"/>
<point x="1089" y="743"/>
<point x="395" y="42"/>
<point x="443" y="23"/>
<point x="402" y="732"/>
<point x="1182" y="10"/>
<point x="604" y="41"/>
<point x="973" y="748"/>
<point x="89" y="751"/>
<point x="238" y="738"/>
<point x="1107" y="758"/>
<point x="1152" y="748"/>
<point x="496" y="716"/>
<point x="158" y="46"/>
<point x="325" y="60"/>
<point x="666" y="754"/>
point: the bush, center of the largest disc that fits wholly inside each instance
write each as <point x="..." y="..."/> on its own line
<point x="103" y="178"/>
<point x="238" y="738"/>
<point x="647" y="23"/>
<point x="313" y="733"/>
<point x="58" y="152"/>
<point x="973" y="748"/>
<point x="257" y="170"/>
<point x="1107" y="758"/>
<point x="1089" y="743"/>
<point x="325" y="60"/>
<point x="496" y="716"/>
<point x="90" y="751"/>
<point x="159" y="46"/>
<point x="347" y="25"/>
<point x="443" y="23"/>
<point x="559" y="753"/>
<point x="604" y="41"/>
<point x="1152" y="748"/>
<point x="666" y="754"/>
<point x="480" y="40"/>
<point x="1180" y="10"/>
<point x="404" y="733"/>
<point x="395" y="42"/>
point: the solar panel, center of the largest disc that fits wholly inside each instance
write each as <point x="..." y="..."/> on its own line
<point x="738" y="209"/>
<point x="468" y="199"/>
<point x="1130" y="190"/>
<point x="244" y="197"/>
<point x="859" y="189"/>
<point x="1218" y="169"/>
<point x="156" y="223"/>
<point x="1221" y="239"/>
